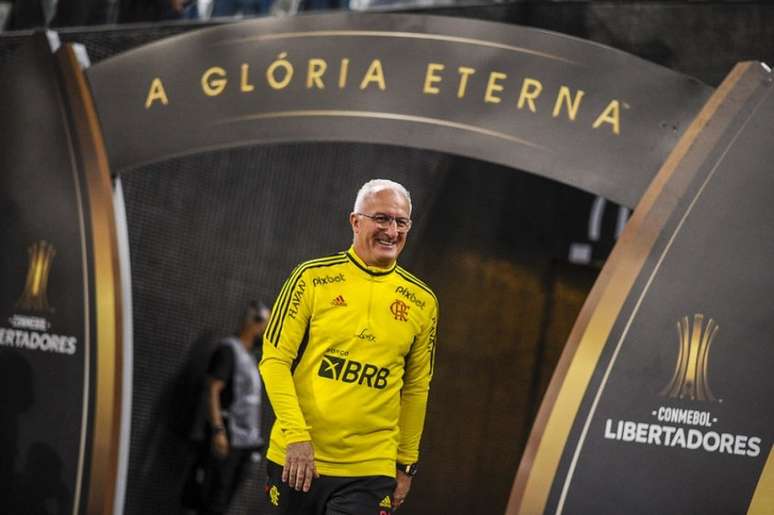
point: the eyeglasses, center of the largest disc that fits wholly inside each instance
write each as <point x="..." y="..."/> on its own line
<point x="402" y="224"/>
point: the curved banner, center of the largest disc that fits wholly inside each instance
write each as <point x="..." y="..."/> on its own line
<point x="59" y="338"/>
<point x="568" y="109"/>
<point x="661" y="402"/>
<point x="46" y="348"/>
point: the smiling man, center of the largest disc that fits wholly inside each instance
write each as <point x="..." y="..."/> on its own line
<point x="347" y="362"/>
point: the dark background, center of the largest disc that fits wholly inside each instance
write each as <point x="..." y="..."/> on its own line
<point x="207" y="233"/>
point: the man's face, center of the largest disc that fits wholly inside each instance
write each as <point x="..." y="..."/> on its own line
<point x="380" y="245"/>
<point x="259" y="326"/>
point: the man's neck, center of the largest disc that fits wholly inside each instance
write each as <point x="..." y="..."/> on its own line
<point x="380" y="266"/>
<point x="247" y="341"/>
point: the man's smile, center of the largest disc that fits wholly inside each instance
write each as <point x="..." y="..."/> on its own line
<point x="386" y="242"/>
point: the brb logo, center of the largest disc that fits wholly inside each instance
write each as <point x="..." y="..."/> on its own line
<point x="351" y="371"/>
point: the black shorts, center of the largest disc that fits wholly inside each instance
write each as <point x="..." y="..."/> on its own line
<point x="329" y="495"/>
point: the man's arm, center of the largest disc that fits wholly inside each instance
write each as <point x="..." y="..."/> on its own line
<point x="416" y="386"/>
<point x="413" y="402"/>
<point x="219" y="441"/>
<point x="282" y="338"/>
<point x="219" y="372"/>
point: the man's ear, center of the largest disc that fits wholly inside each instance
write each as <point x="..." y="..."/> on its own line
<point x="354" y="221"/>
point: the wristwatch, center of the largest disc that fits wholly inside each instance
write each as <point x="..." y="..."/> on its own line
<point x="218" y="429"/>
<point x="408" y="469"/>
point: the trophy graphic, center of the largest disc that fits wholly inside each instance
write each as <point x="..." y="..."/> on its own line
<point x="689" y="380"/>
<point x="35" y="297"/>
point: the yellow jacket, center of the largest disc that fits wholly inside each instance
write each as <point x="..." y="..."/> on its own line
<point x="348" y="356"/>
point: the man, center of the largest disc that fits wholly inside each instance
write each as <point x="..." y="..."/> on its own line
<point x="233" y="393"/>
<point x="347" y="361"/>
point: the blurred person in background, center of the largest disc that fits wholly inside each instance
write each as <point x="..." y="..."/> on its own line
<point x="233" y="414"/>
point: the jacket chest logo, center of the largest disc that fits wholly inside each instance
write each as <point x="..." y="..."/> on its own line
<point x="365" y="335"/>
<point x="399" y="310"/>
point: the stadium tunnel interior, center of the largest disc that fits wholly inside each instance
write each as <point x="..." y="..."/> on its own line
<point x="208" y="232"/>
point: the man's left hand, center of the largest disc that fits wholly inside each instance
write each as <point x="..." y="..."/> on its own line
<point x="401" y="490"/>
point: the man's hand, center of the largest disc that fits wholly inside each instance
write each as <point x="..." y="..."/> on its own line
<point x="299" y="469"/>
<point x="220" y="444"/>
<point x="401" y="489"/>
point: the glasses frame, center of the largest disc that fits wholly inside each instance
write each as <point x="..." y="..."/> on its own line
<point x="390" y="220"/>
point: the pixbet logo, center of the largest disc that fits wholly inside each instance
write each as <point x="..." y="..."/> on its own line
<point x="411" y="296"/>
<point x="328" y="279"/>
<point x="351" y="371"/>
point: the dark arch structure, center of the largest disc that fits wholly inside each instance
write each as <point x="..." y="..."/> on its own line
<point x="559" y="107"/>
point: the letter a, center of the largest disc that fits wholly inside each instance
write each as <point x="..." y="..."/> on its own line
<point x="156" y="92"/>
<point x="374" y="74"/>
<point x="611" y="115"/>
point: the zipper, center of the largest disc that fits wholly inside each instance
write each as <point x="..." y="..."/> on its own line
<point x="370" y="301"/>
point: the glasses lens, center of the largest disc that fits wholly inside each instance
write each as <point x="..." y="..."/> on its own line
<point x="382" y="219"/>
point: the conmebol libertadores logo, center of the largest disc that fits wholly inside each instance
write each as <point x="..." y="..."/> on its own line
<point x="31" y="330"/>
<point x="685" y="426"/>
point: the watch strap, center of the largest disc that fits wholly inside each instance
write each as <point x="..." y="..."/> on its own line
<point x="408" y="469"/>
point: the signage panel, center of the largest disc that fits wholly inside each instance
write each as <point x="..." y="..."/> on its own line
<point x="554" y="105"/>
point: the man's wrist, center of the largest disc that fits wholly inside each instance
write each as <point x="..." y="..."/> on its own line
<point x="410" y="469"/>
<point x="218" y="428"/>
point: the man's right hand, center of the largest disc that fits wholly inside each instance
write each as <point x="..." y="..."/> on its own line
<point x="299" y="469"/>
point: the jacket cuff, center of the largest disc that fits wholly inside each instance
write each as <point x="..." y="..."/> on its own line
<point x="407" y="457"/>
<point x="301" y="436"/>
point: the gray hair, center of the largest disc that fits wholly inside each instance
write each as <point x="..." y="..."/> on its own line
<point x="376" y="185"/>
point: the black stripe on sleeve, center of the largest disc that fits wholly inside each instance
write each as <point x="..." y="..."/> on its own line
<point x="283" y="300"/>
<point x="301" y="349"/>
<point x="323" y="263"/>
<point x="413" y="280"/>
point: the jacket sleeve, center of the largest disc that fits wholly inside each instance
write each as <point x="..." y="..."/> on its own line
<point x="282" y="338"/>
<point x="416" y="386"/>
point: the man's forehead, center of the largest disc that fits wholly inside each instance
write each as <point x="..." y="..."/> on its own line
<point x="386" y="199"/>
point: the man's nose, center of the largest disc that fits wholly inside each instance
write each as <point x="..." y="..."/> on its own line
<point x="392" y="229"/>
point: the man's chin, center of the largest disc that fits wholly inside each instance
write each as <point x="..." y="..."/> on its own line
<point x="385" y="258"/>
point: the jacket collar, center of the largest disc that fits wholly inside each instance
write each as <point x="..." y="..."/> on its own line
<point x="373" y="271"/>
